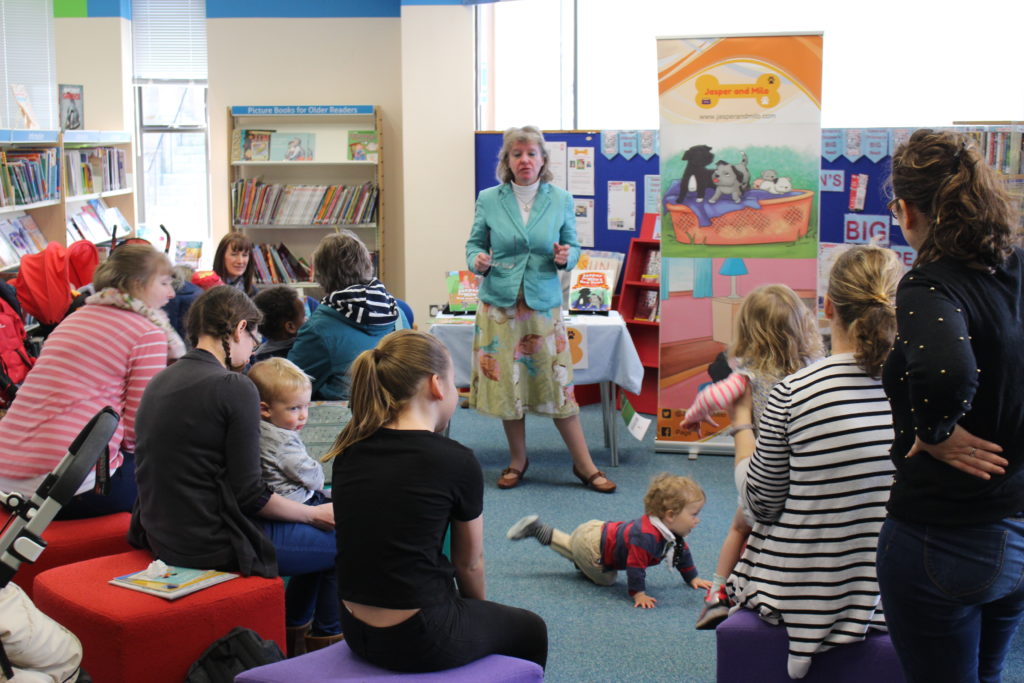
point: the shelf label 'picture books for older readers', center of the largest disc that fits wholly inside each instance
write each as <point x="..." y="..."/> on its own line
<point x="463" y="291"/>
<point x="292" y="146"/>
<point x="362" y="145"/>
<point x="170" y="582"/>
<point x="591" y="290"/>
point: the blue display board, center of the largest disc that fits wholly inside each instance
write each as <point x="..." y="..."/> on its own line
<point x="488" y="144"/>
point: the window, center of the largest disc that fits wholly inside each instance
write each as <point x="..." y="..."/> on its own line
<point x="525" y="64"/>
<point x="885" y="64"/>
<point x="169" y="46"/>
<point x="27" y="59"/>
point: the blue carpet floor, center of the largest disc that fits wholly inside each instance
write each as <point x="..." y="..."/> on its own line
<point x="595" y="633"/>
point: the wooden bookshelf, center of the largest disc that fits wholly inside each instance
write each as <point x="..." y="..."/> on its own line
<point x="270" y="198"/>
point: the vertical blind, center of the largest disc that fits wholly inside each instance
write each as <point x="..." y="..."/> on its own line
<point x="27" y="58"/>
<point x="169" y="40"/>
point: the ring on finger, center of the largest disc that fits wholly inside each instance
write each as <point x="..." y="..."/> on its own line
<point x="971" y="454"/>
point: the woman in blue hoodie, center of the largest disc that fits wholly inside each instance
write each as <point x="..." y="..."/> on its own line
<point x="354" y="314"/>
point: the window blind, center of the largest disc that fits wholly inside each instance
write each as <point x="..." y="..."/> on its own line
<point x="28" y="59"/>
<point x="169" y="40"/>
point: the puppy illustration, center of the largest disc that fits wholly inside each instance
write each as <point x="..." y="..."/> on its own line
<point x="782" y="186"/>
<point x="730" y="179"/>
<point x="697" y="158"/>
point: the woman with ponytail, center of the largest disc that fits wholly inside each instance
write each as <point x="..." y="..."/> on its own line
<point x="397" y="486"/>
<point x="817" y="475"/>
<point x="202" y="499"/>
<point x="951" y="552"/>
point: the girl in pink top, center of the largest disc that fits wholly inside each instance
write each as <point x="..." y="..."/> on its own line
<point x="103" y="354"/>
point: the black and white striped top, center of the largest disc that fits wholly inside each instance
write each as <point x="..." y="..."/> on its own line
<point x="818" y="483"/>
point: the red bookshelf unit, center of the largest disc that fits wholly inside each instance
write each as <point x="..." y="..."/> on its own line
<point x="638" y="306"/>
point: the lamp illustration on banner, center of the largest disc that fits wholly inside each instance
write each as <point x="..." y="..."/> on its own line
<point x="733" y="267"/>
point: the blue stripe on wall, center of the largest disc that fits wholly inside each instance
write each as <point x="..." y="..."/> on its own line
<point x="256" y="9"/>
<point x="432" y="2"/>
<point x="110" y="8"/>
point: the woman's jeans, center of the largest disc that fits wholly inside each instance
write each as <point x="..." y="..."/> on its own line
<point x="120" y="496"/>
<point x="953" y="596"/>
<point x="306" y="554"/>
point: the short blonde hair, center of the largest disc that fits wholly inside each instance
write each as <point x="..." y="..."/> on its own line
<point x="776" y="333"/>
<point x="529" y="135"/>
<point x="671" y="492"/>
<point x="277" y="377"/>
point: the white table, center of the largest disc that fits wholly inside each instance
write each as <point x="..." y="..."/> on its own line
<point x="612" y="359"/>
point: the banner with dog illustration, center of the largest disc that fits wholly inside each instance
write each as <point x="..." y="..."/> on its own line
<point x="740" y="156"/>
<point x="740" y="145"/>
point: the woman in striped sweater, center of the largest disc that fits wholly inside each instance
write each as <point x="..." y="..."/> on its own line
<point x="817" y="477"/>
<point x="103" y="354"/>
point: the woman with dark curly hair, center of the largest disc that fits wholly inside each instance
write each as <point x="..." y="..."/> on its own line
<point x="951" y="552"/>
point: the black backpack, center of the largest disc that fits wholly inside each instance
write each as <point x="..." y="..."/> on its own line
<point x="238" y="651"/>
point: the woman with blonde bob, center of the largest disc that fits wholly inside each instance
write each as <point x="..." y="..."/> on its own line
<point x="951" y="553"/>
<point x="103" y="354"/>
<point x="524" y="233"/>
<point x="816" y="476"/>
<point x="402" y="608"/>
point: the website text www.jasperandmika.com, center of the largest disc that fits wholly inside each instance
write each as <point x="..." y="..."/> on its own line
<point x="732" y="117"/>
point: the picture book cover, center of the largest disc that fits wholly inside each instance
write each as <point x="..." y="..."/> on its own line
<point x="362" y="145"/>
<point x="171" y="582"/>
<point x="292" y="146"/>
<point x="646" y="305"/>
<point x="17" y="237"/>
<point x="591" y="290"/>
<point x="463" y="291"/>
<point x="71" y="106"/>
<point x="28" y="115"/>
<point x="8" y="256"/>
<point x="29" y="224"/>
<point x="256" y="145"/>
<point x="188" y="253"/>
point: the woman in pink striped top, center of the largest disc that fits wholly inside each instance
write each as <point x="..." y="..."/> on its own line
<point x="103" y="354"/>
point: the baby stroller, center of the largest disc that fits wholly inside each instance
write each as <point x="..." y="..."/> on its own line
<point x="22" y="541"/>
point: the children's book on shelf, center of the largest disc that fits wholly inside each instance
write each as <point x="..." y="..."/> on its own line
<point x="256" y="145"/>
<point x="652" y="266"/>
<point x="17" y="237"/>
<point x="292" y="146"/>
<point x="646" y="305"/>
<point x="591" y="259"/>
<point x="28" y="116"/>
<point x="463" y="291"/>
<point x="171" y="582"/>
<point x="591" y="290"/>
<point x="8" y="255"/>
<point x="72" y="108"/>
<point x="188" y="253"/>
<point x="29" y="224"/>
<point x="362" y="145"/>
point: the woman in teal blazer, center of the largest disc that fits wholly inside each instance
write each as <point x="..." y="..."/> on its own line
<point x="524" y="233"/>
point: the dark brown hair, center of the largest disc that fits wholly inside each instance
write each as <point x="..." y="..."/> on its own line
<point x="862" y="288"/>
<point x="970" y="216"/>
<point x="217" y="313"/>
<point x="385" y="378"/>
<point x="240" y="242"/>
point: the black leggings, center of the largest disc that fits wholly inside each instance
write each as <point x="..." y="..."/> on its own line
<point x="448" y="635"/>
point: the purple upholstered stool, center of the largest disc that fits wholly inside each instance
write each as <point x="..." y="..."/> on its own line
<point x="749" y="649"/>
<point x="338" y="664"/>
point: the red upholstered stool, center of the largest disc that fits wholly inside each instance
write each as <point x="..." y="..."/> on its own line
<point x="74" y="541"/>
<point x="131" y="636"/>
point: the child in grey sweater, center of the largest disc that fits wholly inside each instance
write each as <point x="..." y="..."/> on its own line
<point x="284" y="405"/>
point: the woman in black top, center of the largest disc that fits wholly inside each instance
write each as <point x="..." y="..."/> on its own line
<point x="397" y="485"/>
<point x="951" y="553"/>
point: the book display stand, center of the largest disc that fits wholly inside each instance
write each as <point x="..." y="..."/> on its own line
<point x="638" y="305"/>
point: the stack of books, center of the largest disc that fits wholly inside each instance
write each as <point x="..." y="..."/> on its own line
<point x="95" y="169"/>
<point x="28" y="176"/>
